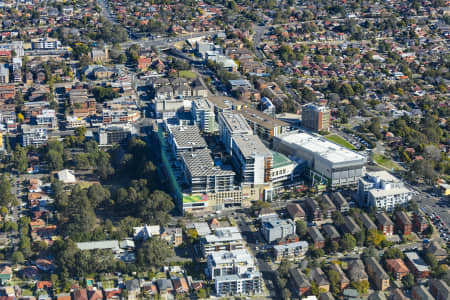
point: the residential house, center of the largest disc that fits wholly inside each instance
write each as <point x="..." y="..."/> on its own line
<point x="80" y="294"/>
<point x="133" y="287"/>
<point x="317" y="237"/>
<point x="385" y="224"/>
<point x="397" y="267"/>
<point x="416" y="265"/>
<point x="435" y="248"/>
<point x="350" y="226"/>
<point x="367" y="221"/>
<point x="313" y="209"/>
<point x="403" y="223"/>
<point x="330" y="232"/>
<point x="180" y="285"/>
<point x="340" y="202"/>
<point x="439" y="289"/>
<point x="173" y="236"/>
<point x="300" y="283"/>
<point x="318" y="276"/>
<point x="295" y="211"/>
<point x="356" y="271"/>
<point x="420" y="292"/>
<point x="344" y="282"/>
<point x="5" y="274"/>
<point x="328" y="206"/>
<point x="377" y="295"/>
<point x="164" y="286"/>
<point x="397" y="294"/>
<point x="326" y="296"/>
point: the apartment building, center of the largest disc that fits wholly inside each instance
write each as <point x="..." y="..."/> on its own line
<point x="45" y="44"/>
<point x="340" y="202"/>
<point x="4" y="73"/>
<point x="316" y="117"/>
<point x="317" y="237"/>
<point x="202" y="176"/>
<point x="223" y="239"/>
<point x="244" y="284"/>
<point x="202" y="111"/>
<point x="231" y="125"/>
<point x="275" y="228"/>
<point x="416" y="265"/>
<point x="403" y="223"/>
<point x="34" y="136"/>
<point x="385" y="224"/>
<point x="383" y="191"/>
<point x="47" y="118"/>
<point x="397" y="267"/>
<point x="222" y="263"/>
<point x="111" y="135"/>
<point x="252" y="159"/>
<point x="290" y="251"/>
<point x="263" y="125"/>
<point x="185" y="139"/>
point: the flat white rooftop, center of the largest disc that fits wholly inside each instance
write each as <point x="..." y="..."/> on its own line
<point x="224" y="234"/>
<point x="322" y="147"/>
<point x="235" y="256"/>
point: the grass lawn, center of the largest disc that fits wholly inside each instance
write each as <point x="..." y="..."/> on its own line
<point x="187" y="74"/>
<point x="385" y="162"/>
<point x="340" y="141"/>
<point x="108" y="284"/>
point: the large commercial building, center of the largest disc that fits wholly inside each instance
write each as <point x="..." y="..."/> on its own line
<point x="223" y="263"/>
<point x="316" y="117"/>
<point x="231" y="125"/>
<point x="328" y="163"/>
<point x="203" y="176"/>
<point x="203" y="112"/>
<point x="383" y="191"/>
<point x="252" y="159"/>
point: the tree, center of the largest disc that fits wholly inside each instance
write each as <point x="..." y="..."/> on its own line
<point x="348" y="242"/>
<point x="154" y="253"/>
<point x="97" y="194"/>
<point x="157" y="207"/>
<point x="25" y="246"/>
<point x="362" y="287"/>
<point x="18" y="257"/>
<point x="20" y="159"/>
<point x="7" y="198"/>
<point x="374" y="237"/>
<point x="360" y="238"/>
<point x="55" y="160"/>
<point x="334" y="278"/>
<point x="338" y="218"/>
<point x="431" y="260"/>
<point x="408" y="281"/>
<point x="301" y="228"/>
<point x="283" y="270"/>
<point x="82" y="161"/>
<point x="393" y="253"/>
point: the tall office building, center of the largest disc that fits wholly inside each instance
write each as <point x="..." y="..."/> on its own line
<point x="316" y="117"/>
